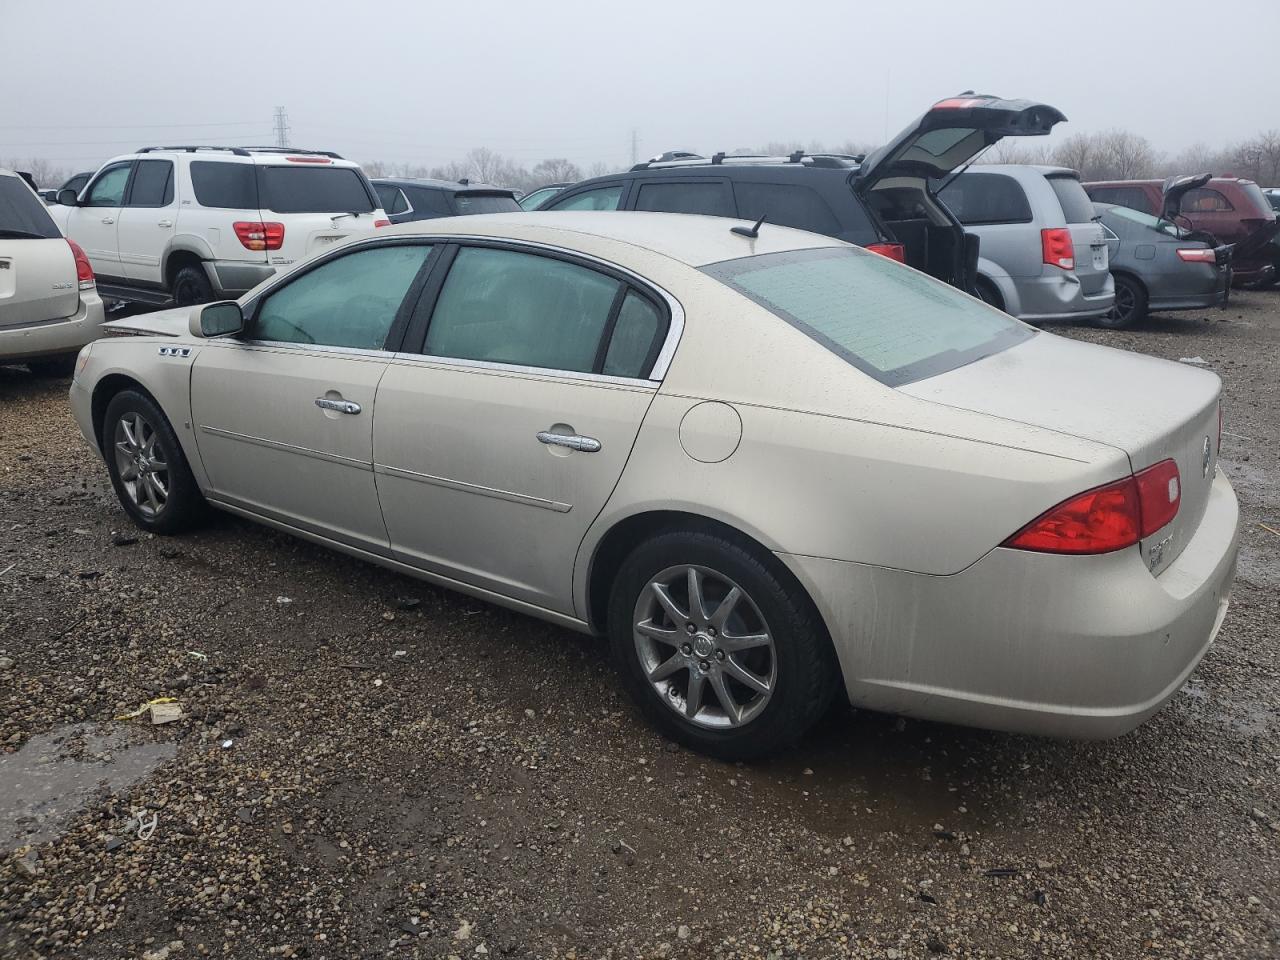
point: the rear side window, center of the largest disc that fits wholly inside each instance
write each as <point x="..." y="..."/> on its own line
<point x="637" y="338"/>
<point x="503" y="306"/>
<point x="1135" y="198"/>
<point x="986" y="198"/>
<point x="602" y="198"/>
<point x="1204" y="200"/>
<point x="429" y="203"/>
<point x="289" y="189"/>
<point x="152" y="184"/>
<point x="894" y="324"/>
<point x="390" y="198"/>
<point x="787" y="205"/>
<point x="711" y="198"/>
<point x="229" y="186"/>
<point x="1076" y="205"/>
<point x="22" y="215"/>
<point x="469" y="203"/>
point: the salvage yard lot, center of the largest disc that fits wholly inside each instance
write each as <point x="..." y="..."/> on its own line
<point x="372" y="767"/>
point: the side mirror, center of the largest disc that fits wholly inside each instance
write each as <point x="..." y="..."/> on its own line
<point x="221" y="319"/>
<point x="66" y="198"/>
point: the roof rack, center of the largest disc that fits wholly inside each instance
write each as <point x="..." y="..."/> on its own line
<point x="827" y="160"/>
<point x="242" y="151"/>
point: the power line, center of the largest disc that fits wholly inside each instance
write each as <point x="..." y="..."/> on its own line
<point x="282" y="127"/>
<point x="129" y="126"/>
<point x="635" y="147"/>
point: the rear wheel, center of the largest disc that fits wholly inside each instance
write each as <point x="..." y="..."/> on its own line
<point x="191" y="286"/>
<point x="988" y="292"/>
<point x="54" y="367"/>
<point x="1131" y="304"/>
<point x="147" y="467"/>
<point x="722" y="652"/>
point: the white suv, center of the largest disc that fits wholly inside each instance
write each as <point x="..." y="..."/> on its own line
<point x="183" y="225"/>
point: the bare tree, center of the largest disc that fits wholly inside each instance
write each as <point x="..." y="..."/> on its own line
<point x="1080" y="152"/>
<point x="44" y="172"/>
<point x="556" y="170"/>
<point x="600" y="169"/>
<point x="1125" y="156"/>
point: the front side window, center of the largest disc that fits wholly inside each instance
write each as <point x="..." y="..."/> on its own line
<point x="1204" y="200"/>
<point x="108" y="189"/>
<point x="894" y="324"/>
<point x="152" y="184"/>
<point x="602" y="198"/>
<point x="711" y="198"/>
<point x="986" y="198"/>
<point x="504" y="306"/>
<point x="349" y="301"/>
<point x="530" y="201"/>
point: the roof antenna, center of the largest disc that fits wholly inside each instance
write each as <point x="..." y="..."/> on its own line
<point x="750" y="233"/>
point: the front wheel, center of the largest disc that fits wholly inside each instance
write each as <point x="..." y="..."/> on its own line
<point x="147" y="466"/>
<point x="1130" y="307"/>
<point x="721" y="651"/>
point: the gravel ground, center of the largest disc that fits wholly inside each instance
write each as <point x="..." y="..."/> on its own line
<point x="369" y="767"/>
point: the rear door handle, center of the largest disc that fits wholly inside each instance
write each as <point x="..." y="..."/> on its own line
<point x="572" y="441"/>
<point x="341" y="406"/>
<point x="108" y="219"/>
<point x="165" y="223"/>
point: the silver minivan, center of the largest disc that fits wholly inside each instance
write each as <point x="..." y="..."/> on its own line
<point x="1043" y="253"/>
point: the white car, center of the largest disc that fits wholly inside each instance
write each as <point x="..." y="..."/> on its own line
<point x="767" y="464"/>
<point x="49" y="304"/>
<point x="185" y="225"/>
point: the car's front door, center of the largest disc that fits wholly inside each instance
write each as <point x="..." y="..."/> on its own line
<point x="498" y="441"/>
<point x="283" y="415"/>
<point x="146" y="222"/>
<point x="94" y="222"/>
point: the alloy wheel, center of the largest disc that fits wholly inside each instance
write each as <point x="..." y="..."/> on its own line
<point x="141" y="464"/>
<point x="705" y="647"/>
<point x="1124" y="305"/>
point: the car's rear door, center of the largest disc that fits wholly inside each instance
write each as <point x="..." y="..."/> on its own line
<point x="283" y="414"/>
<point x="37" y="269"/>
<point x="499" y="438"/>
<point x="317" y="200"/>
<point x="147" y="220"/>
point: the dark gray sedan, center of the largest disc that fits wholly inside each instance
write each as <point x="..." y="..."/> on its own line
<point x="1158" y="265"/>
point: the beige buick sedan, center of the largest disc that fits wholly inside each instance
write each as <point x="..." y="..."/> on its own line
<point x="765" y="464"/>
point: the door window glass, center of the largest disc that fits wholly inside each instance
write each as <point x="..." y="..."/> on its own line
<point x="224" y="184"/>
<point x="604" y="198"/>
<point x="152" y="184"/>
<point x="350" y="301"/>
<point x="108" y="189"/>
<point x="428" y="203"/>
<point x="637" y="337"/>
<point x="711" y="198"/>
<point x="985" y="198"/>
<point x="1204" y="200"/>
<point x="520" y="308"/>
<point x="786" y="205"/>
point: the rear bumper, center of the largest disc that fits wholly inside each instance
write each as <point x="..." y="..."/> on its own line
<point x="55" y="337"/>
<point x="1189" y="290"/>
<point x="1031" y="643"/>
<point x="1059" y="296"/>
<point x="233" y="278"/>
<point x="1250" y="274"/>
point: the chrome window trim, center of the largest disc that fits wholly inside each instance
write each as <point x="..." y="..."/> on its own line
<point x="546" y="373"/>
<point x="661" y="364"/>
<point x="317" y="348"/>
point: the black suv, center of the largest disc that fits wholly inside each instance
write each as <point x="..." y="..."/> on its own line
<point x="412" y="198"/>
<point x="883" y="201"/>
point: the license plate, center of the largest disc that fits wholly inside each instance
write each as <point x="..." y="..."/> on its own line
<point x="1100" y="258"/>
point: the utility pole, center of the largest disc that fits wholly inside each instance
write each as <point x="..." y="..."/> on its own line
<point x="282" y="127"/>
<point x="635" y="147"/>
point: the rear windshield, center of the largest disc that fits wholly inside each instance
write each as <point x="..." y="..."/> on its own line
<point x="893" y="323"/>
<point x="1137" y="216"/>
<point x="468" y="203"/>
<point x="1076" y="205"/>
<point x="313" y="190"/>
<point x="1254" y="193"/>
<point x="22" y="215"/>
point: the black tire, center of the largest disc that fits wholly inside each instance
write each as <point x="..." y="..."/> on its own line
<point x="805" y="673"/>
<point x="1131" y="305"/>
<point x="988" y="293"/>
<point x="53" y="367"/>
<point x="183" y="505"/>
<point x="191" y="286"/>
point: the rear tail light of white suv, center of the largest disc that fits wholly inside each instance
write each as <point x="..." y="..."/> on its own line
<point x="255" y="235"/>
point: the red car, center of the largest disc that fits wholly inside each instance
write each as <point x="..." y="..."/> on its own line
<point x="1235" y="211"/>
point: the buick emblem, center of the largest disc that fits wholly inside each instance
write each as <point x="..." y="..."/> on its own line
<point x="1205" y="456"/>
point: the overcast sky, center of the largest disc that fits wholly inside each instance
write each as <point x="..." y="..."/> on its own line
<point x="423" y="82"/>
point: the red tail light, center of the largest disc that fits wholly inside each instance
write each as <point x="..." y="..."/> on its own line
<point x="1197" y="256"/>
<point x="381" y="223"/>
<point x="84" y="269"/>
<point x="259" y="236"/>
<point x="894" y="251"/>
<point x="1106" y="518"/>
<point x="1058" y="251"/>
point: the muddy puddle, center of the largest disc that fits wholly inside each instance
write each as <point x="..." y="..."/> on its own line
<point x="56" y="774"/>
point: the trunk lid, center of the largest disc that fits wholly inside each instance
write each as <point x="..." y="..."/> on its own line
<point x="319" y="200"/>
<point x="1088" y="239"/>
<point x="951" y="133"/>
<point x="37" y="281"/>
<point x="1151" y="409"/>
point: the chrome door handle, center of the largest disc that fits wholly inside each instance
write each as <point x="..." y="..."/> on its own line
<point x="572" y="441"/>
<point x="108" y="219"/>
<point x="341" y="406"/>
<point x="165" y="223"/>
